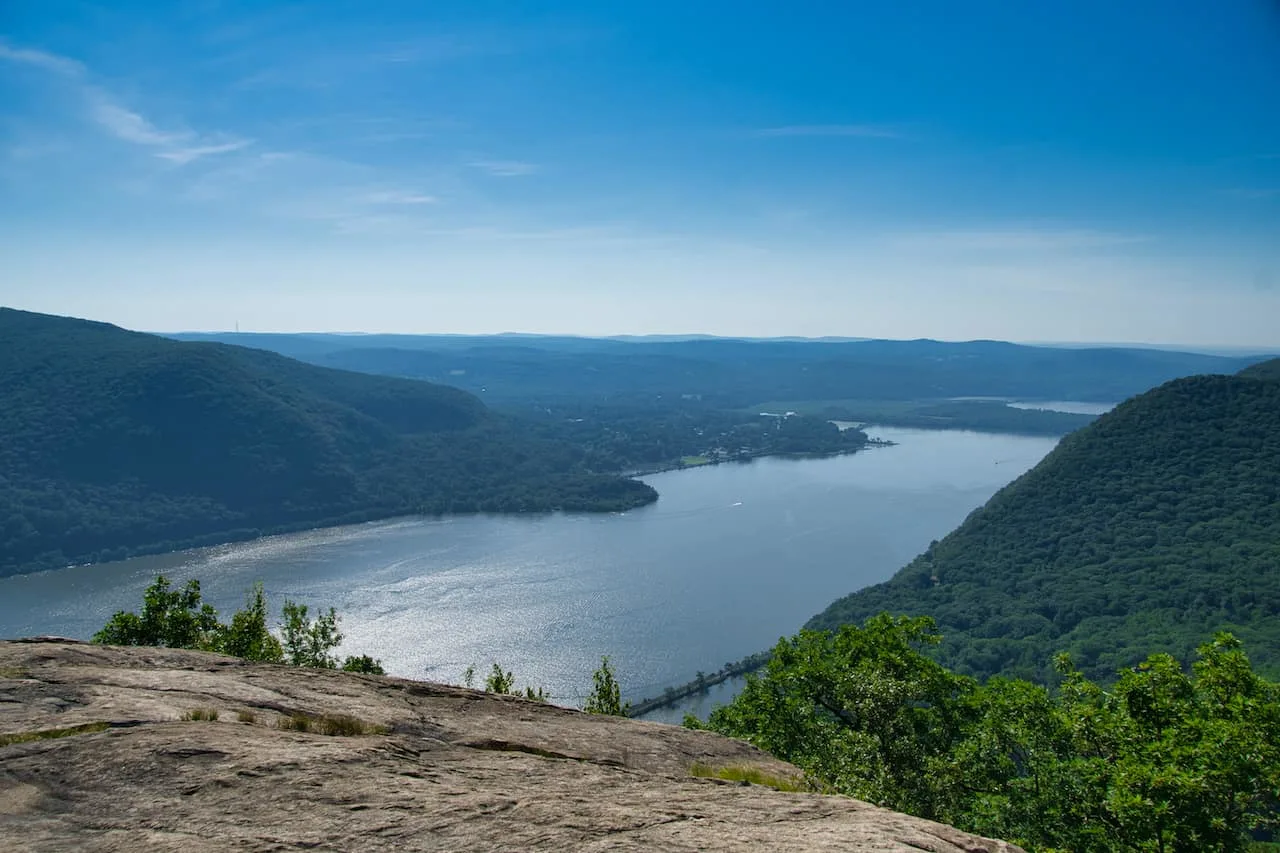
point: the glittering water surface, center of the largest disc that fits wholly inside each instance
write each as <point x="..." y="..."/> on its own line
<point x="1074" y="407"/>
<point x="730" y="558"/>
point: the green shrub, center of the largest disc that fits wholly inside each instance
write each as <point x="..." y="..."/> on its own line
<point x="502" y="682"/>
<point x="606" y="695"/>
<point x="364" y="664"/>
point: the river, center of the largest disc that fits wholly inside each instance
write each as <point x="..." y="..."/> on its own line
<point x="730" y="558"/>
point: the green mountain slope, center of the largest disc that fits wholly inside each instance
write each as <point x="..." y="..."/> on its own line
<point x="114" y="442"/>
<point x="1267" y="370"/>
<point x="1145" y="531"/>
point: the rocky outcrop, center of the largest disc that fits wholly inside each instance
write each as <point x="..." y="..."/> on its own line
<point x="95" y="754"/>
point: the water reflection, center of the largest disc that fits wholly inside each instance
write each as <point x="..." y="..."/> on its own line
<point x="730" y="558"/>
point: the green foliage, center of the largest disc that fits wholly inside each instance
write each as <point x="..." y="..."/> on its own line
<point x="364" y="664"/>
<point x="606" y="694"/>
<point x="176" y="618"/>
<point x="861" y="708"/>
<point x="1267" y="371"/>
<point x="499" y="682"/>
<point x="1156" y="526"/>
<point x="1165" y="761"/>
<point x="676" y="434"/>
<point x="247" y="636"/>
<point x="310" y="642"/>
<point x="502" y="682"/>
<point x="179" y="619"/>
<point x="115" y="443"/>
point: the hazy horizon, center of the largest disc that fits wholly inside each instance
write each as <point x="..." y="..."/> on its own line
<point x="997" y="171"/>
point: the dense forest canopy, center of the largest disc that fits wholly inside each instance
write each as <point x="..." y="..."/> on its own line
<point x="1144" y="532"/>
<point x="114" y="442"/>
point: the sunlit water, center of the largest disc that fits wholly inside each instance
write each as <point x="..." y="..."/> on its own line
<point x="730" y="558"/>
<point x="1074" y="407"/>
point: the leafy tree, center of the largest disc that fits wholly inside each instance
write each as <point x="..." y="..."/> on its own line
<point x="176" y="618"/>
<point x="862" y="709"/>
<point x="606" y="695"/>
<point x="1174" y="761"/>
<point x="1167" y="760"/>
<point x="309" y="642"/>
<point x="247" y="636"/>
<point x="363" y="663"/>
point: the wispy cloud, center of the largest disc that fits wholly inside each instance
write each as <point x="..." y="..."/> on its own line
<point x="41" y="59"/>
<point x="126" y="124"/>
<point x="182" y="156"/>
<point x="1022" y="239"/>
<point x="506" y="168"/>
<point x="399" y="197"/>
<point x="107" y="113"/>
<point x="180" y="147"/>
<point x="866" y="131"/>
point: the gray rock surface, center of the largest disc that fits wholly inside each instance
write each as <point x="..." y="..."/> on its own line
<point x="454" y="769"/>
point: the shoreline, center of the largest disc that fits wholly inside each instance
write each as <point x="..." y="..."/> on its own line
<point x="236" y="536"/>
<point x="751" y="457"/>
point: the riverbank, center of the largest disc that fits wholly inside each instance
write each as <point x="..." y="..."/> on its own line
<point x="729" y="560"/>
<point x="709" y="461"/>
<point x="250" y="534"/>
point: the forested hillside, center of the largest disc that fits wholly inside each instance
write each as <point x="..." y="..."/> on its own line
<point x="1144" y="532"/>
<point x="114" y="442"/>
<point x="1267" y="370"/>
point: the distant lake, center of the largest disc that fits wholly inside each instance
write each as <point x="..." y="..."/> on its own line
<point x="730" y="558"/>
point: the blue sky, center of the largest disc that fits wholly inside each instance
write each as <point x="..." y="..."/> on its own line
<point x="1085" y="171"/>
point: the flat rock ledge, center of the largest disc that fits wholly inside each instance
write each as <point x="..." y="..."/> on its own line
<point x="444" y="769"/>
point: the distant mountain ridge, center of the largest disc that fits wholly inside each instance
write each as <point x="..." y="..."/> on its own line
<point x="115" y="442"/>
<point x="514" y="371"/>
<point x="1145" y="531"/>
